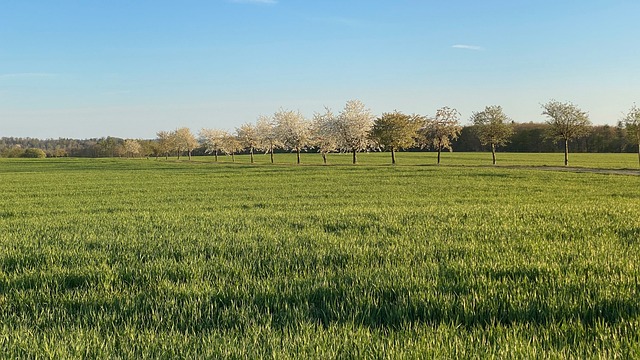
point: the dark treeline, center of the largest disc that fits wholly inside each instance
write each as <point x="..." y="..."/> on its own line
<point x="527" y="137"/>
<point x="102" y="147"/>
<point x="530" y="137"/>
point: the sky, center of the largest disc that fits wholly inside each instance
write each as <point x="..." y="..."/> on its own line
<point x="95" y="68"/>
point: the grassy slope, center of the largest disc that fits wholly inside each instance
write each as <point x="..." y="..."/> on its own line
<point x="144" y="258"/>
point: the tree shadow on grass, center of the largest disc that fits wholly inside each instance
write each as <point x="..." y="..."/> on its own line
<point x="384" y="308"/>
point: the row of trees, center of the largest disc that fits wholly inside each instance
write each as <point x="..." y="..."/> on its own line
<point x="103" y="147"/>
<point x="526" y="137"/>
<point x="533" y="138"/>
<point x="355" y="129"/>
<point x="20" y="152"/>
<point x="352" y="130"/>
<point x="348" y="131"/>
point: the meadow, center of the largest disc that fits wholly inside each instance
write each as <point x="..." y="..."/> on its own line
<point x="577" y="160"/>
<point x="145" y="258"/>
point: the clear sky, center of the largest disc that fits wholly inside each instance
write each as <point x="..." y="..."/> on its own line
<point x="93" y="68"/>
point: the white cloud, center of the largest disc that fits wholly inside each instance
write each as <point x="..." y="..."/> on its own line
<point x="468" y="47"/>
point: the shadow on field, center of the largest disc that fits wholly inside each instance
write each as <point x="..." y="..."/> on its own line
<point x="392" y="310"/>
<point x="163" y="298"/>
<point x="448" y="303"/>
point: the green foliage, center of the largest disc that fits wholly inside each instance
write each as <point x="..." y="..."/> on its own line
<point x="34" y="154"/>
<point x="99" y="261"/>
<point x="396" y="130"/>
<point x="492" y="126"/>
<point x="12" y="152"/>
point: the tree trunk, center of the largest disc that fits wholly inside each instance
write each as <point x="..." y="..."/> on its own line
<point x="324" y="158"/>
<point x="638" y="152"/>
<point x="298" y="154"/>
<point x="393" y="156"/>
<point x="439" y="151"/>
<point x="566" y="152"/>
<point x="189" y="152"/>
<point x="271" y="151"/>
<point x="493" y="153"/>
<point x="215" y="154"/>
<point x="355" y="157"/>
<point x="178" y="154"/>
<point x="251" y="152"/>
<point x="233" y="156"/>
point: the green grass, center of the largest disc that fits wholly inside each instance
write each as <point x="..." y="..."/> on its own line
<point x="166" y="259"/>
<point x="582" y="160"/>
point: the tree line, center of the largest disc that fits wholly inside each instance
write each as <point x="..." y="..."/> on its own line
<point x="355" y="129"/>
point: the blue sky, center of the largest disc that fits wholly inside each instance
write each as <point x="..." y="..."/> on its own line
<point x="93" y="68"/>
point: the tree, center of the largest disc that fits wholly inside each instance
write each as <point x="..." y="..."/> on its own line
<point x="59" y="152"/>
<point x="213" y="141"/>
<point x="632" y="125"/>
<point x="395" y="131"/>
<point x="566" y="122"/>
<point x="352" y="128"/>
<point x="108" y="145"/>
<point x="293" y="130"/>
<point x="267" y="135"/>
<point x="185" y="141"/>
<point x="132" y="147"/>
<point x="34" y="153"/>
<point x="15" y="151"/>
<point x="439" y="132"/>
<point x="493" y="128"/>
<point x="148" y="148"/>
<point x="230" y="145"/>
<point x="323" y="133"/>
<point x="248" y="137"/>
<point x="166" y="143"/>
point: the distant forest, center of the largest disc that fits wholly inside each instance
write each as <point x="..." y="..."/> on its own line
<point x="527" y="137"/>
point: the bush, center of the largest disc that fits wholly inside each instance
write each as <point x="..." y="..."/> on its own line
<point x="12" y="152"/>
<point x="34" y="153"/>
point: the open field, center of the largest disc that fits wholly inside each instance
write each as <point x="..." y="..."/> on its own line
<point x="581" y="160"/>
<point x="145" y="259"/>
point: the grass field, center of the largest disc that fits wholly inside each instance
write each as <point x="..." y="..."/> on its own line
<point x="174" y="259"/>
<point x="580" y="160"/>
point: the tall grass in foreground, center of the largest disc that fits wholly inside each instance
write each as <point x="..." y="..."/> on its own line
<point x="148" y="259"/>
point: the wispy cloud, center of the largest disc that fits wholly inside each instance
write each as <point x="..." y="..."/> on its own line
<point x="266" y="2"/>
<point x="27" y="75"/>
<point x="468" y="47"/>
